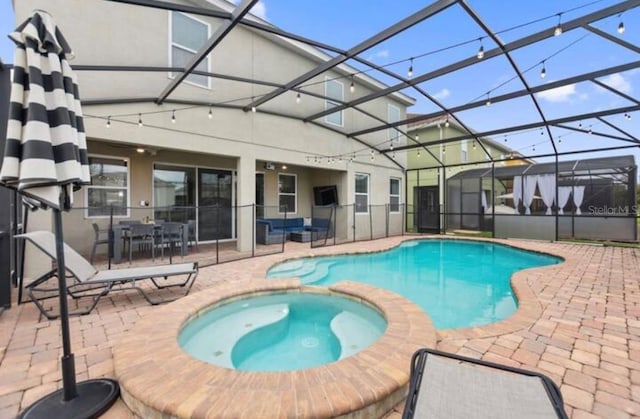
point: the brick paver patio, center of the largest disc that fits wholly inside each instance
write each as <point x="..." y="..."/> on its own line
<point x="581" y="327"/>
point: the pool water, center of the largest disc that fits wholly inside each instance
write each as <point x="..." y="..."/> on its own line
<point x="457" y="283"/>
<point x="282" y="332"/>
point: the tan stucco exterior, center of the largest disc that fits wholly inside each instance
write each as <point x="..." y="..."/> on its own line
<point x="110" y="33"/>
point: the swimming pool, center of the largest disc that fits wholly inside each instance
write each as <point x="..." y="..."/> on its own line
<point x="459" y="283"/>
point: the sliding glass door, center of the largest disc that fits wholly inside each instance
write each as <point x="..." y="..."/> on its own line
<point x="174" y="193"/>
<point x="215" y="194"/>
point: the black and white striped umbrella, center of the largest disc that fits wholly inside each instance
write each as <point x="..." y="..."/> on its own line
<point x="46" y="150"/>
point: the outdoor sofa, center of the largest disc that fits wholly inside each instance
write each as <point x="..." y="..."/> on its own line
<point x="275" y="230"/>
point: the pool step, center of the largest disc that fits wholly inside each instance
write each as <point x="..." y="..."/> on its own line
<point x="354" y="333"/>
<point x="234" y="327"/>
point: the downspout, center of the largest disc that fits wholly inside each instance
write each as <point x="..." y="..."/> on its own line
<point x="441" y="180"/>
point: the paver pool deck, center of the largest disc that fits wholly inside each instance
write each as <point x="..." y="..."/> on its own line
<point x="578" y="322"/>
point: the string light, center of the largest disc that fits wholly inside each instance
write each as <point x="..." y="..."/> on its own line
<point x="444" y="149"/>
<point x="474" y="144"/>
<point x="543" y="72"/>
<point x="627" y="116"/>
<point x="393" y="156"/>
<point x="109" y="121"/>
<point x="480" y="53"/>
<point x="418" y="154"/>
<point x="352" y="86"/>
<point x="253" y="107"/>
<point x="298" y="97"/>
<point x="210" y="112"/>
<point x="446" y="122"/>
<point x="558" y="30"/>
<point x="139" y="119"/>
<point x="621" y="27"/>
<point x="580" y="125"/>
<point x="173" y="116"/>
<point x="541" y="131"/>
<point x="488" y="102"/>
<point x="505" y="138"/>
<point x="410" y="71"/>
<point x="590" y="132"/>
<point x="417" y="137"/>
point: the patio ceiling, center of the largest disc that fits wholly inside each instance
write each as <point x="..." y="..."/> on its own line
<point x="527" y="47"/>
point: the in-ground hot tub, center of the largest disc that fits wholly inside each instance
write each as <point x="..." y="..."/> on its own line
<point x="282" y="332"/>
<point x="160" y="379"/>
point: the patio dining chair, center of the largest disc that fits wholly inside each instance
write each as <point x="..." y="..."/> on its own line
<point x="170" y="237"/>
<point x="142" y="235"/>
<point x="101" y="236"/>
<point x="445" y="385"/>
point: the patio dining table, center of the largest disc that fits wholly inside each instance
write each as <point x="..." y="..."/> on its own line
<point x="120" y="233"/>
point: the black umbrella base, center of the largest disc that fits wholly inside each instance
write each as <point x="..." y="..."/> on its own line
<point x="94" y="398"/>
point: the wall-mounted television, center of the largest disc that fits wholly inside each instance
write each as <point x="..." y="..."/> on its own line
<point x="325" y="195"/>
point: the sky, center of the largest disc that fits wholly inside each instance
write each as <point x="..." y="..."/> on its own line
<point x="452" y="35"/>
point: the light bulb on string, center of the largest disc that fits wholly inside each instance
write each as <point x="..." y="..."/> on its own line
<point x="505" y="138"/>
<point x="580" y="124"/>
<point x="558" y="30"/>
<point x="446" y="123"/>
<point x="352" y="86"/>
<point x="444" y="149"/>
<point x="418" y="154"/>
<point x="543" y="72"/>
<point x="621" y="27"/>
<point x="253" y="107"/>
<point x="410" y="71"/>
<point x="627" y="116"/>
<point x="210" y="112"/>
<point x="480" y="53"/>
<point x="488" y="102"/>
<point x="173" y="116"/>
<point x="140" y="120"/>
<point x="474" y="145"/>
<point x="109" y="121"/>
<point x="298" y="97"/>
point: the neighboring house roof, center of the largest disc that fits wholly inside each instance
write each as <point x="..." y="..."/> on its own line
<point x="433" y="122"/>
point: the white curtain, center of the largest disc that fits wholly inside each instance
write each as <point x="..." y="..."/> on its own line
<point x="547" y="188"/>
<point x="563" y="197"/>
<point x="528" y="189"/>
<point x="517" y="191"/>
<point x="578" y="196"/>
<point x="483" y="200"/>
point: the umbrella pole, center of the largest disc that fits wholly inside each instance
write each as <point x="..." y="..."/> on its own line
<point x="86" y="399"/>
<point x="67" y="361"/>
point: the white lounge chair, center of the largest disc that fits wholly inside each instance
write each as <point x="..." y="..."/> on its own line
<point x="445" y="385"/>
<point x="94" y="283"/>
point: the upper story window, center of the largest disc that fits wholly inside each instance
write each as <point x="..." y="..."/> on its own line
<point x="109" y="187"/>
<point x="393" y="115"/>
<point x="334" y="91"/>
<point x="362" y="193"/>
<point x="188" y="35"/>
<point x="394" y="194"/>
<point x="464" y="151"/>
<point x="287" y="187"/>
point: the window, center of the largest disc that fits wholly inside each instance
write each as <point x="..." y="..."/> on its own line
<point x="109" y="187"/>
<point x="174" y="186"/>
<point x="333" y="90"/>
<point x="393" y="114"/>
<point x="394" y="195"/>
<point x="362" y="193"/>
<point x="188" y="35"/>
<point x="287" y="193"/>
<point x="463" y="151"/>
